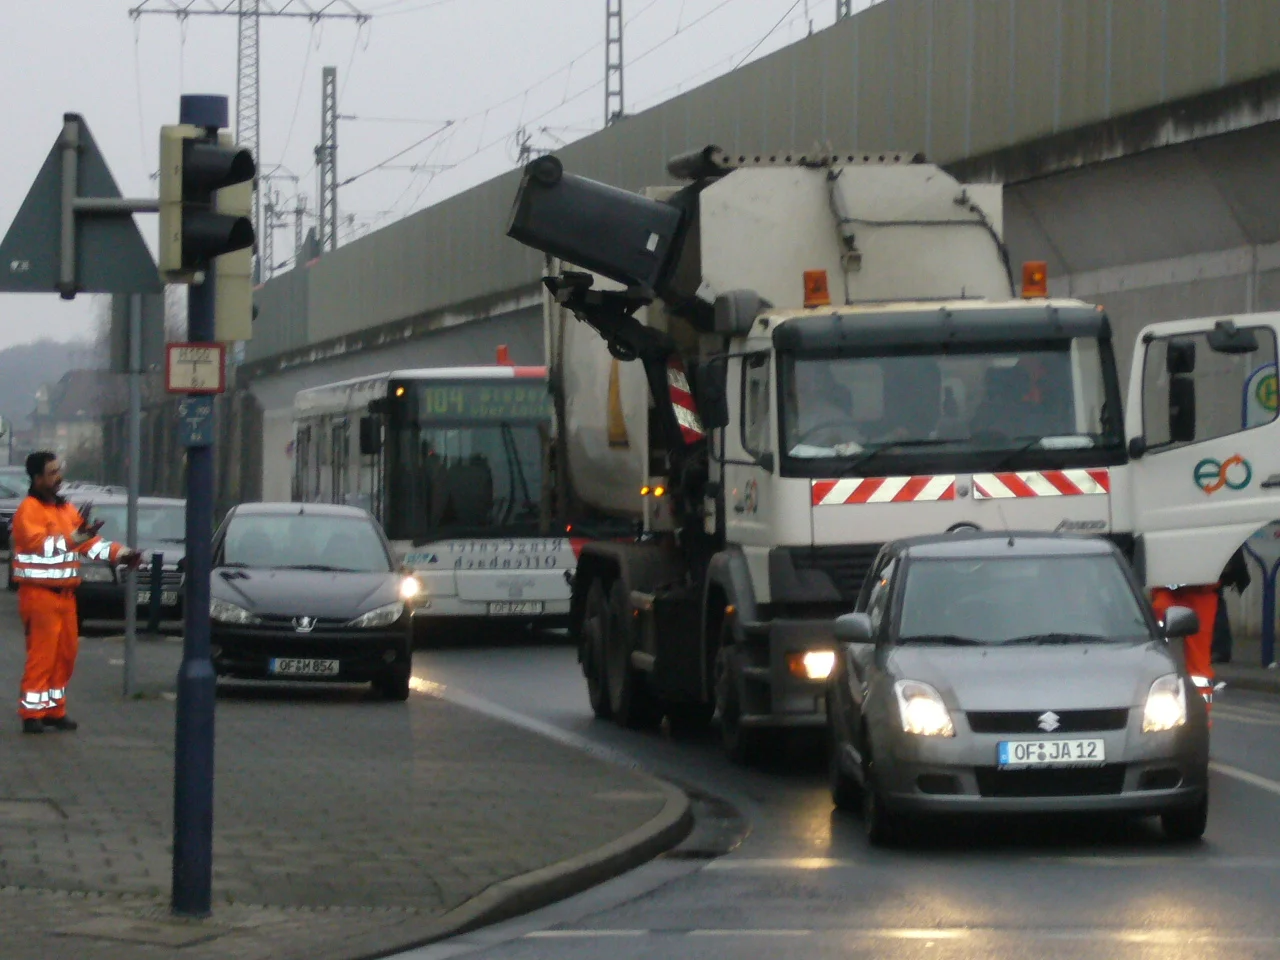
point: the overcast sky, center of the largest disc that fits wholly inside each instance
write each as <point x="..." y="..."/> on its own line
<point x="488" y="66"/>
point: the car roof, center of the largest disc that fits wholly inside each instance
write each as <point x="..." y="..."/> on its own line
<point x="973" y="545"/>
<point x="286" y="508"/>
<point x="115" y="500"/>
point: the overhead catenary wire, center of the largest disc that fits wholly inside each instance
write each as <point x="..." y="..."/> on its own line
<point x="771" y="32"/>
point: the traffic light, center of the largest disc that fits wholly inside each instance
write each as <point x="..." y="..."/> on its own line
<point x="233" y="296"/>
<point x="193" y="169"/>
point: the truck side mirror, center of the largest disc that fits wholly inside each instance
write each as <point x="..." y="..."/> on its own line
<point x="712" y="392"/>
<point x="737" y="310"/>
<point x="370" y="437"/>
<point x="1180" y="357"/>
<point x="1182" y="408"/>
<point x="1226" y="337"/>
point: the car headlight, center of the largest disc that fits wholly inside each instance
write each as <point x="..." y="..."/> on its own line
<point x="922" y="709"/>
<point x="97" y="573"/>
<point x="379" y="616"/>
<point x="410" y="588"/>
<point x="1166" y="705"/>
<point x="226" y="612"/>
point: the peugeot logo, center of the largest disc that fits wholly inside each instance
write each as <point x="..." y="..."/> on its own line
<point x="1049" y="721"/>
<point x="304" y="624"/>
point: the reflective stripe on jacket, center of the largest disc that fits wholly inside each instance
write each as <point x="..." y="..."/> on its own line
<point x="47" y="546"/>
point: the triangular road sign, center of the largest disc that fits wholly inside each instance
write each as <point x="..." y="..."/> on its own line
<point x="110" y="253"/>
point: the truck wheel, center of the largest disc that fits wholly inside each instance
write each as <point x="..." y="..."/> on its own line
<point x="595" y="614"/>
<point x="744" y="745"/>
<point x="629" y="699"/>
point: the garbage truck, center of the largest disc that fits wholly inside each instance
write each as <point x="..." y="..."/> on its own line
<point x="775" y="364"/>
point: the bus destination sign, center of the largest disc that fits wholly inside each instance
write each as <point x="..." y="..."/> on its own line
<point x="502" y="400"/>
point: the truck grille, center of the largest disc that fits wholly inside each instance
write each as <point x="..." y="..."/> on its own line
<point x="847" y="566"/>
<point x="1078" y="782"/>
<point x="1028" y="721"/>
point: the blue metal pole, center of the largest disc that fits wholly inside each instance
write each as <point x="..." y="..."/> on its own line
<point x="197" y="683"/>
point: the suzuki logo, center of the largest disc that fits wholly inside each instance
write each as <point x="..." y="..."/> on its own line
<point x="304" y="624"/>
<point x="1049" y="721"/>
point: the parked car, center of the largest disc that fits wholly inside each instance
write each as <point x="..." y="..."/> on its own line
<point x="162" y="529"/>
<point x="1003" y="673"/>
<point x="13" y="488"/>
<point x="310" y="592"/>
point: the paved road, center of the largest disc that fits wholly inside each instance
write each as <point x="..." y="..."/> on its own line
<point x="805" y="883"/>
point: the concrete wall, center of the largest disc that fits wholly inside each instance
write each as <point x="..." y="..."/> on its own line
<point x="954" y="79"/>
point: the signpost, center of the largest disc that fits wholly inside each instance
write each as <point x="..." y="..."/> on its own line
<point x="74" y="233"/>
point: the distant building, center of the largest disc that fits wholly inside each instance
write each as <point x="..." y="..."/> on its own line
<point x="67" y="419"/>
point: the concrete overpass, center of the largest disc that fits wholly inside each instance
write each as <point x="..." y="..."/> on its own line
<point x="1137" y="140"/>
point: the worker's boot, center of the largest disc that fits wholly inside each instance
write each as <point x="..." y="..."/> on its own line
<point x="60" y="723"/>
<point x="32" y="726"/>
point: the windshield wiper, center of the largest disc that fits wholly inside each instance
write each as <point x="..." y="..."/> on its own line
<point x="1046" y="639"/>
<point x="946" y="639"/>
<point x="862" y="458"/>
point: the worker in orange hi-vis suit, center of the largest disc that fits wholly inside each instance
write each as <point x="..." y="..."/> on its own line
<point x="49" y="537"/>
<point x="1198" y="647"/>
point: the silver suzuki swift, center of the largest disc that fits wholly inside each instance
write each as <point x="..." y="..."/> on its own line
<point x="1013" y="673"/>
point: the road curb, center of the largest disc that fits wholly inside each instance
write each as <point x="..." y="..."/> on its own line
<point x="546" y="885"/>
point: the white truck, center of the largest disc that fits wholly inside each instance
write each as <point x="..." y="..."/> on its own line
<point x="832" y="354"/>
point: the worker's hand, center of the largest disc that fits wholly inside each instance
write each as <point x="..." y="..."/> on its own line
<point x="131" y="559"/>
<point x="91" y="529"/>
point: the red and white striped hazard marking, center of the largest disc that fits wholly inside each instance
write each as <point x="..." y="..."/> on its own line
<point x="1040" y="483"/>
<point x="682" y="401"/>
<point x="827" y="493"/>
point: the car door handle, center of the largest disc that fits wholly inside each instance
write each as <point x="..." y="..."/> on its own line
<point x="1271" y="481"/>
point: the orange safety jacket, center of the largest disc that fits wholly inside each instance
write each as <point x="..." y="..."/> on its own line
<point x="47" y="543"/>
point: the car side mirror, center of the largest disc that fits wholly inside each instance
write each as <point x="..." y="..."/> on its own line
<point x="853" y="628"/>
<point x="370" y="437"/>
<point x="1180" y="622"/>
<point x="1182" y="408"/>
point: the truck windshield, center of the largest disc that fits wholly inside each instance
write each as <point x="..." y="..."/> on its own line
<point x="959" y="407"/>
<point x="465" y="459"/>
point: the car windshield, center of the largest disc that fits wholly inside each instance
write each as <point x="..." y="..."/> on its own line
<point x="156" y="524"/>
<point x="963" y="403"/>
<point x="1030" y="600"/>
<point x="302" y="541"/>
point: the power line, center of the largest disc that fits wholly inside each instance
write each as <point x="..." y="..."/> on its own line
<point x="772" y="29"/>
<point x="398" y="155"/>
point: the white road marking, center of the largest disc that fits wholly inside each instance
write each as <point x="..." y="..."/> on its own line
<point x="785" y="863"/>
<point x="1262" y="783"/>
<point x="1163" y="937"/>
<point x="1235" y="714"/>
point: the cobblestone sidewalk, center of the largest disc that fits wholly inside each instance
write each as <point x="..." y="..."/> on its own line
<point x="344" y="826"/>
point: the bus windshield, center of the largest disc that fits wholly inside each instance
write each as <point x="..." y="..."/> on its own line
<point x="466" y="460"/>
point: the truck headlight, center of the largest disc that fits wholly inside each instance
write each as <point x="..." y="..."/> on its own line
<point x="1166" y="706"/>
<point x="379" y="616"/>
<point x="97" y="573"/>
<point x="226" y="612"/>
<point x="922" y="709"/>
<point x="812" y="664"/>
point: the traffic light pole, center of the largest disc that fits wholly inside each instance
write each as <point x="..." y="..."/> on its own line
<point x="197" y="683"/>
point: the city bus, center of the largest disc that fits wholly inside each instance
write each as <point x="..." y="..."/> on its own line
<point x="452" y="463"/>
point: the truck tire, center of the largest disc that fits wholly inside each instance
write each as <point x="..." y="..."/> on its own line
<point x="630" y="701"/>
<point x="743" y="745"/>
<point x="595" y="615"/>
